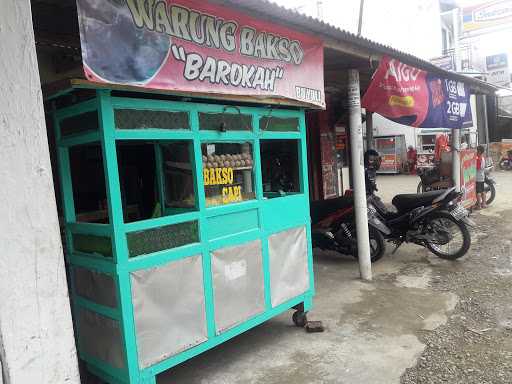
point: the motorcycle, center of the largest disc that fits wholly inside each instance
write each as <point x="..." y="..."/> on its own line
<point x="333" y="222"/>
<point x="435" y="220"/>
<point x="506" y="162"/>
<point x="333" y="228"/>
<point x="430" y="180"/>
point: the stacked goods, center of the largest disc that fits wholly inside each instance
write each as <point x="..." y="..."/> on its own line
<point x="234" y="161"/>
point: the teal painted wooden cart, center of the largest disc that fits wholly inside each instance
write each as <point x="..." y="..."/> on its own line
<point x="186" y="224"/>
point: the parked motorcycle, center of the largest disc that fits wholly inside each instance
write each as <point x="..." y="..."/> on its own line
<point x="435" y="220"/>
<point x="333" y="228"/>
<point x="431" y="180"/>
<point x="506" y="162"/>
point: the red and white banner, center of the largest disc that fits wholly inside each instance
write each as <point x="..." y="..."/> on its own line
<point x="196" y="46"/>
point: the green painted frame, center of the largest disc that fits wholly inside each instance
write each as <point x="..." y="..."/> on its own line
<point x="120" y="265"/>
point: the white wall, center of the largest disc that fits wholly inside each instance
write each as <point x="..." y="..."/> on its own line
<point x="36" y="335"/>
<point x="385" y="127"/>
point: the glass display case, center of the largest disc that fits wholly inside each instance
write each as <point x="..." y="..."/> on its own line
<point x="186" y="224"/>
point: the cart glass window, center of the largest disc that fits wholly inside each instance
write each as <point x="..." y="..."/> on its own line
<point x="162" y="238"/>
<point x="88" y="180"/>
<point x="147" y="119"/>
<point x="156" y="178"/>
<point x="82" y="123"/>
<point x="385" y="146"/>
<point x="227" y="173"/>
<point x="225" y="121"/>
<point x="279" y="124"/>
<point x="280" y="167"/>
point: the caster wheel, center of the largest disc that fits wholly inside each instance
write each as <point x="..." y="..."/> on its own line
<point x="299" y="319"/>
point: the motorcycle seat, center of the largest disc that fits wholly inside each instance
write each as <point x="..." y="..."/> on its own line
<point x="407" y="202"/>
<point x="320" y="209"/>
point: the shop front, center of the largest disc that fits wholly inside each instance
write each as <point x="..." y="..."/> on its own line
<point x="185" y="199"/>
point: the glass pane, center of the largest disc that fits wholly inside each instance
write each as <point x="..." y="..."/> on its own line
<point x="88" y="179"/>
<point x="280" y="167"/>
<point x="156" y="178"/>
<point x="162" y="238"/>
<point x="225" y="121"/>
<point x="96" y="245"/>
<point x="79" y="123"/>
<point x="227" y="173"/>
<point x="143" y="119"/>
<point x="178" y="177"/>
<point x="279" y="124"/>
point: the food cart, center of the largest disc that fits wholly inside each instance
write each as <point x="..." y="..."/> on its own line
<point x="186" y="223"/>
<point x="393" y="152"/>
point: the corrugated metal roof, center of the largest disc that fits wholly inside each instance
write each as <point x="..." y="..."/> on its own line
<point x="309" y="24"/>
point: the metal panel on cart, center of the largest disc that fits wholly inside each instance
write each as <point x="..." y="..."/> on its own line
<point x="289" y="275"/>
<point x="169" y="309"/>
<point x="100" y="337"/>
<point x="238" y="284"/>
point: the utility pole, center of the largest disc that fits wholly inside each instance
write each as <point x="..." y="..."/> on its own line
<point x="360" y="24"/>
<point x="319" y="10"/>
<point x="456" y="132"/>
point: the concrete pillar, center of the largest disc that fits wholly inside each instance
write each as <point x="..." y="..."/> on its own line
<point x="357" y="171"/>
<point x="36" y="333"/>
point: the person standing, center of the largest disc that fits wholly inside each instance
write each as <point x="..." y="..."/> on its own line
<point x="480" y="178"/>
<point x="412" y="157"/>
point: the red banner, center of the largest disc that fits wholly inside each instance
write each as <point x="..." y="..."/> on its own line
<point x="414" y="97"/>
<point x="196" y="46"/>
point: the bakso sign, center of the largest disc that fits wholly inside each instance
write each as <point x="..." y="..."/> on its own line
<point x="192" y="45"/>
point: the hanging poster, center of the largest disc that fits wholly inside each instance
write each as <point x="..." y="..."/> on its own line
<point x="414" y="97"/>
<point x="197" y="46"/>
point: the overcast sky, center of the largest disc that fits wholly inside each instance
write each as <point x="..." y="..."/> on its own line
<point x="403" y="24"/>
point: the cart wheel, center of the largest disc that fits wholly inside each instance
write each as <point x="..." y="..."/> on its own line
<point x="300" y="319"/>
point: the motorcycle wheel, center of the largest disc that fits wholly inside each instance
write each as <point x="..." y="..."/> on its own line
<point x="443" y="223"/>
<point x="504" y="165"/>
<point x="490" y="192"/>
<point x="377" y="244"/>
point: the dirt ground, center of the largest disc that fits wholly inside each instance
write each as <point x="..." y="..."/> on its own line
<point x="421" y="320"/>
<point x="475" y="345"/>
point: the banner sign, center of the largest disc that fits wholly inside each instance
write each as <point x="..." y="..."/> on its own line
<point x="196" y="46"/>
<point x="498" y="72"/>
<point x="468" y="177"/>
<point x="488" y="14"/>
<point x="414" y="97"/>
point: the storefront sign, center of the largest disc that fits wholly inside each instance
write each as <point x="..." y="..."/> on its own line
<point x="414" y="97"/>
<point x="444" y="62"/>
<point x="498" y="72"/>
<point x="489" y="14"/>
<point x="223" y="176"/>
<point x="196" y="46"/>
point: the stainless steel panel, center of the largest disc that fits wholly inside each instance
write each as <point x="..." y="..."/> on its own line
<point x="288" y="253"/>
<point x="100" y="337"/>
<point x="169" y="309"/>
<point x="96" y="286"/>
<point x="238" y="284"/>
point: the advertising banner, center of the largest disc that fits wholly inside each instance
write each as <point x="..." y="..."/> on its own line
<point x="498" y="72"/>
<point x="196" y="46"/>
<point x="468" y="176"/>
<point x="414" y="97"/>
<point x="486" y="14"/>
